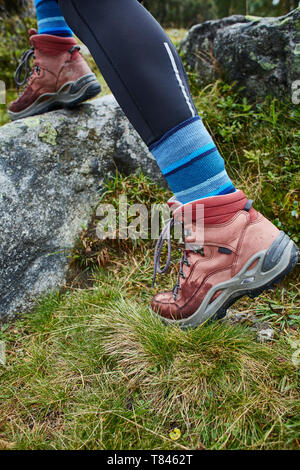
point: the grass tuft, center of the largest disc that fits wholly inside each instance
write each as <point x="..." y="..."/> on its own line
<point x="109" y="375"/>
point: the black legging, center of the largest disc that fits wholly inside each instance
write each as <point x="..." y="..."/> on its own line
<point x="138" y="61"/>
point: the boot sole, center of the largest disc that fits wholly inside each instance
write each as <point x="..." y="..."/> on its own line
<point x="271" y="267"/>
<point x="69" y="95"/>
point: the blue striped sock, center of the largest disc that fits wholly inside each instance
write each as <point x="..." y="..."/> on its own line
<point x="191" y="163"/>
<point x="50" y="19"/>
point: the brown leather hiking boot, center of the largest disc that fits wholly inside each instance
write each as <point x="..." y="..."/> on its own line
<point x="60" y="77"/>
<point x="241" y="253"/>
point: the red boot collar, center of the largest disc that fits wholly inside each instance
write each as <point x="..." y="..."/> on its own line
<point x="217" y="209"/>
<point x="52" y="45"/>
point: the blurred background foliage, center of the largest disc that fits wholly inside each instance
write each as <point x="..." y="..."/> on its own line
<point x="18" y="16"/>
<point x="11" y="7"/>
<point x="185" y="13"/>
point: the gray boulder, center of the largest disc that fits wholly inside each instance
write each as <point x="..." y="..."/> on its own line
<point x="260" y="54"/>
<point x="52" y="169"/>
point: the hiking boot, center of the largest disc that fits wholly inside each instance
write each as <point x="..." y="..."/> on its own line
<point x="241" y="253"/>
<point x="60" y="77"/>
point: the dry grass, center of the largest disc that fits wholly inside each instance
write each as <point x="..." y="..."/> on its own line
<point x="93" y="369"/>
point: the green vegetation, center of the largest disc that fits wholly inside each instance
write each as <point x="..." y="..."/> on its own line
<point x="13" y="44"/>
<point x="9" y="7"/>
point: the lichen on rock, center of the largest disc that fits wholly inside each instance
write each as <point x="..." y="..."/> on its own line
<point x="48" y="133"/>
<point x="259" y="54"/>
<point x="51" y="169"/>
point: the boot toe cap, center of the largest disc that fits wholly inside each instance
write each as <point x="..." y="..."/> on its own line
<point x="165" y="305"/>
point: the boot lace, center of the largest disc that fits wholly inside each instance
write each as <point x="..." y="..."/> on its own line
<point x="74" y="48"/>
<point x="166" y="236"/>
<point x="25" y="64"/>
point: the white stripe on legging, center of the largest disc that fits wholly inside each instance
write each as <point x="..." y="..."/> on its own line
<point x="172" y="59"/>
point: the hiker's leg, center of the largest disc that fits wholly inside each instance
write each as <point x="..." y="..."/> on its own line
<point x="60" y="76"/>
<point x="146" y="75"/>
<point x="242" y="252"/>
<point x="50" y="19"/>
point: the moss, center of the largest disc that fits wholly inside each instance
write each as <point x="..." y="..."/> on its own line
<point x="254" y="19"/>
<point x="297" y="49"/>
<point x="265" y="65"/>
<point x="253" y="56"/>
<point x="285" y="21"/>
<point x="48" y="134"/>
